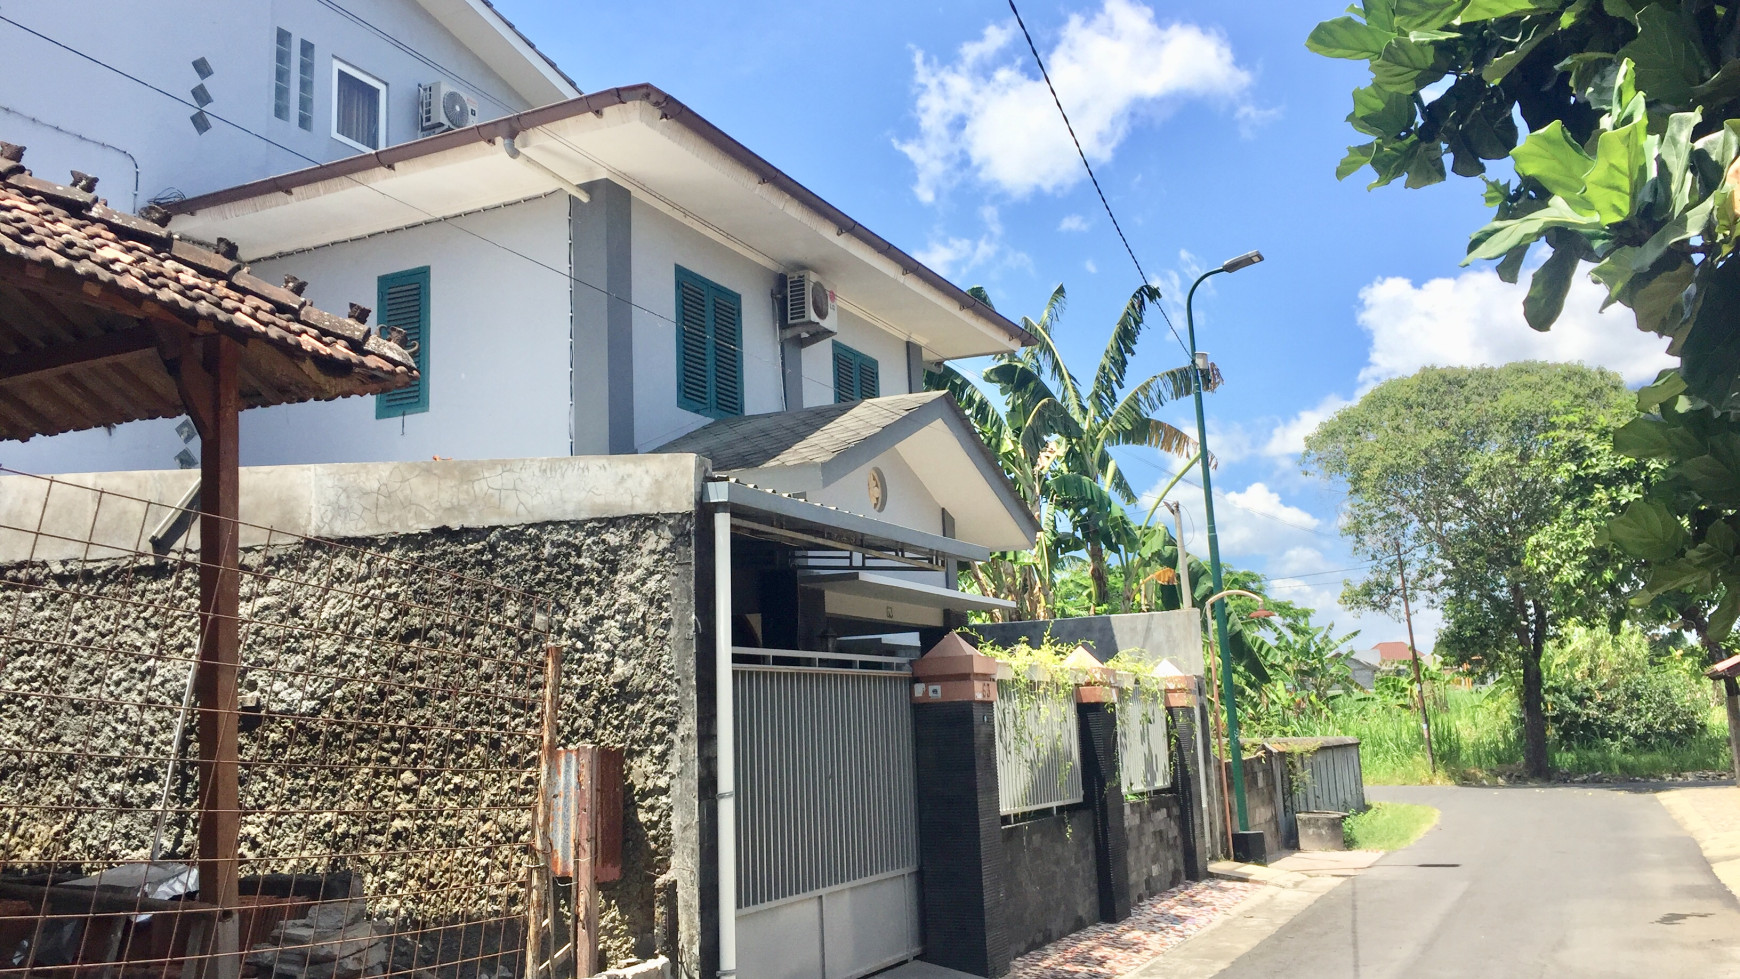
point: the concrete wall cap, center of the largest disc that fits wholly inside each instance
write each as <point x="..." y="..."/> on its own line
<point x="954" y="658"/>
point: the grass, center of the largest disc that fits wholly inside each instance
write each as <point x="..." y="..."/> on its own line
<point x="1475" y="736"/>
<point x="1388" y="826"/>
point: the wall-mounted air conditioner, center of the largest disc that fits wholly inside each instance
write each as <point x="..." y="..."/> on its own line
<point x="445" y="107"/>
<point x="807" y="308"/>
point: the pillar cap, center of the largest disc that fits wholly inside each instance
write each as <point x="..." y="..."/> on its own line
<point x="954" y="659"/>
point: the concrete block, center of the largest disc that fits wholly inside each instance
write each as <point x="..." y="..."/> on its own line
<point x="1321" y="831"/>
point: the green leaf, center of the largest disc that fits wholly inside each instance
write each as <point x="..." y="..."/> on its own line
<point x="1675" y="155"/>
<point x="1722" y="536"/>
<point x="1346" y="37"/>
<point x="1553" y="160"/>
<point x="1722" y="86"/>
<point x="1723" y="616"/>
<point x="1478" y="10"/>
<point x="1510" y="266"/>
<point x="1670" y="62"/>
<point x="1547" y="289"/>
<point x="1716" y="476"/>
<point x="1619" y="172"/>
<point x="1357" y="157"/>
<point x="1655" y="438"/>
<point x="1425" y="15"/>
<point x="1382" y="113"/>
<point x="1666" y="387"/>
<point x="1710" y="355"/>
<point x="1427" y="166"/>
<point x="1648" y="530"/>
<point x="1499" y="237"/>
<point x="1695" y="569"/>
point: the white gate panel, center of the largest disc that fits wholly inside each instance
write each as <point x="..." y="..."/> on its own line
<point x="827" y="829"/>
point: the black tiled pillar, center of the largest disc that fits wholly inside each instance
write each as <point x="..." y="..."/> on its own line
<point x="1104" y="791"/>
<point x="1188" y="775"/>
<point x="960" y="841"/>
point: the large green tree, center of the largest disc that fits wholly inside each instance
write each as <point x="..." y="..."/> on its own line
<point x="1467" y="474"/>
<point x="1627" y="170"/>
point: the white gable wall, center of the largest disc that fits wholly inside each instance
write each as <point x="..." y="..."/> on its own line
<point x="157" y="42"/>
<point x="866" y="338"/>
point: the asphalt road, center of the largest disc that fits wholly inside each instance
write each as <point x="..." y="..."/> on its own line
<point x="1574" y="881"/>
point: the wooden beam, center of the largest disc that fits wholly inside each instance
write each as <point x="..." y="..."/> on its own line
<point x="45" y="362"/>
<point x="212" y="375"/>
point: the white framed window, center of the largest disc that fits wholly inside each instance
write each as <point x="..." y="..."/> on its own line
<point x="359" y="107"/>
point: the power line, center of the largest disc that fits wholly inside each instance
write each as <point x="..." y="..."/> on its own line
<point x="1089" y="168"/>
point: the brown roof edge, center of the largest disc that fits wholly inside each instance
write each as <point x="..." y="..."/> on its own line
<point x="671" y="109"/>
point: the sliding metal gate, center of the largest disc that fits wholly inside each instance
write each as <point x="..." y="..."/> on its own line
<point x="827" y="833"/>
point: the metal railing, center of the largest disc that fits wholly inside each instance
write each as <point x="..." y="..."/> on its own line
<point x="1144" y="753"/>
<point x="1038" y="747"/>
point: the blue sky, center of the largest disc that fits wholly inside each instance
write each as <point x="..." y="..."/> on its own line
<point x="1213" y="131"/>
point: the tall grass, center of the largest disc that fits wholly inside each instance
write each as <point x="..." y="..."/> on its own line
<point x="1475" y="734"/>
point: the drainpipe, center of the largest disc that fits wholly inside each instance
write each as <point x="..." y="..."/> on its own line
<point x="725" y="726"/>
<point x="514" y="152"/>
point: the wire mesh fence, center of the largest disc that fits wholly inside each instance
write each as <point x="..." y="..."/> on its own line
<point x="391" y="717"/>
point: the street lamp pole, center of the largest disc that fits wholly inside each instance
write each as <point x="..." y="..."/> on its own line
<point x="1198" y="365"/>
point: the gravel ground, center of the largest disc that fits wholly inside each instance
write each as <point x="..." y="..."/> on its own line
<point x="1106" y="951"/>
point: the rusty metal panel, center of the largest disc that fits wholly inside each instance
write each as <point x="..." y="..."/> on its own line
<point x="562" y="808"/>
<point x="607" y="817"/>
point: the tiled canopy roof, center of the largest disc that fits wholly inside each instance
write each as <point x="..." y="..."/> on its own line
<point x="94" y="301"/>
<point x="795" y="438"/>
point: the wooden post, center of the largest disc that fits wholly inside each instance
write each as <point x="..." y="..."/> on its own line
<point x="207" y="380"/>
<point x="585" y="864"/>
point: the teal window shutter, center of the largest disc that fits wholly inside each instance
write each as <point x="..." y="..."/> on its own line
<point x="856" y="375"/>
<point x="403" y="301"/>
<point x="709" y="347"/>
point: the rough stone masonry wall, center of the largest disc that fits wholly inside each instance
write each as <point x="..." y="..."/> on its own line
<point x="89" y="790"/>
<point x="1155" y="853"/>
<point x="1050" y="890"/>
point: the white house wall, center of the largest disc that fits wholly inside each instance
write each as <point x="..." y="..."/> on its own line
<point x="498" y="344"/>
<point x="866" y="338"/>
<point x="81" y="105"/>
<point x="662" y="243"/>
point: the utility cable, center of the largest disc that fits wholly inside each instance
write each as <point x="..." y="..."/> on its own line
<point x="1089" y="168"/>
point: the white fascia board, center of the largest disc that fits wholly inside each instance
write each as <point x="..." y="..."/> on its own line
<point x="482" y="29"/>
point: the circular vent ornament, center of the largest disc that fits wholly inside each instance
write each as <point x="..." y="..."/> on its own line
<point x="878" y="490"/>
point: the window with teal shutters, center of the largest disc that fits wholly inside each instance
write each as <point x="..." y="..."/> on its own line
<point x="709" y="347"/>
<point x="856" y="375"/>
<point x="403" y="301"/>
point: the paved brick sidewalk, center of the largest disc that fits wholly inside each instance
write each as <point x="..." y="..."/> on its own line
<point x="1107" y="951"/>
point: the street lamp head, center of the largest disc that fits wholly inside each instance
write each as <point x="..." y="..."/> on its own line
<point x="1261" y="613"/>
<point x="1246" y="260"/>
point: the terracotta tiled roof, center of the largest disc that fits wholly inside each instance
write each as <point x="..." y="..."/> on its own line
<point x="1392" y="651"/>
<point x="92" y="298"/>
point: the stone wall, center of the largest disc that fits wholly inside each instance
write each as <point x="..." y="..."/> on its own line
<point x="1050" y="890"/>
<point x="1263" y="810"/>
<point x="419" y="767"/>
<point x="1155" y="837"/>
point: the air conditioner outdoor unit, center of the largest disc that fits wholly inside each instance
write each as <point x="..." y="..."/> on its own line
<point x="445" y="107"/>
<point x="807" y="308"/>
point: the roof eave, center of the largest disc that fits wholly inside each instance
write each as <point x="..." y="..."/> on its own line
<point x="670" y="108"/>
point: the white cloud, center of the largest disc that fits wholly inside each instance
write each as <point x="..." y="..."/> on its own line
<point x="988" y="112"/>
<point x="1091" y="267"/>
<point x="1072" y="222"/>
<point x="951" y="255"/>
<point x="1298" y="560"/>
<point x="1289" y="437"/>
<point x="1477" y="318"/>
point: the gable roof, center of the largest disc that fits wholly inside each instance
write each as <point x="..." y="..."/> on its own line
<point x="834" y="440"/>
<point x="663" y="152"/>
<point x="507" y="50"/>
<point x="92" y="298"/>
